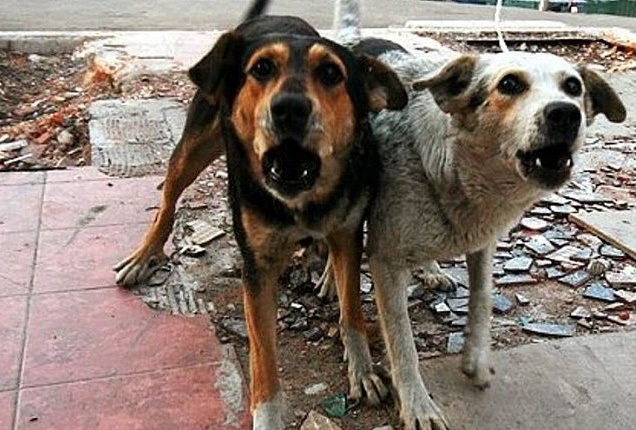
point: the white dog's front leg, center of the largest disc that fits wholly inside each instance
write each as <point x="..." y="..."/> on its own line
<point x="476" y="358"/>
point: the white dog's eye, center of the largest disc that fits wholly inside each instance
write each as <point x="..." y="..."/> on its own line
<point x="572" y="86"/>
<point x="511" y="85"/>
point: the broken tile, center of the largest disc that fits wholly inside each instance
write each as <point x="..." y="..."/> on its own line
<point x="540" y="245"/>
<point x="509" y="280"/>
<point x="626" y="296"/>
<point x="202" y="232"/>
<point x="599" y="315"/>
<point x="460" y="322"/>
<point x="334" y="406"/>
<point x="554" y="199"/>
<point x="564" y="255"/>
<point x="542" y="211"/>
<point x="584" y="255"/>
<point x="576" y="279"/>
<point x="599" y="292"/>
<point x="618" y="320"/>
<point x="455" y="342"/>
<point x="521" y="299"/>
<point x="585" y="323"/>
<point x="563" y="330"/>
<point x="459" y="293"/>
<point x="458" y="305"/>
<point x="518" y="264"/>
<point x="440" y="307"/>
<point x="501" y="304"/>
<point x="583" y="196"/>
<point x="625" y="277"/>
<point x="553" y="273"/>
<point x="611" y="252"/>
<point x="581" y="312"/>
<point x="540" y="262"/>
<point x="314" y="389"/>
<point x="458" y="274"/>
<point x="535" y="224"/>
<point x="615" y="226"/>
<point x="563" y="209"/>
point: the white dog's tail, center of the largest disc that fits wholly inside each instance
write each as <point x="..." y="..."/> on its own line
<point x="347" y="21"/>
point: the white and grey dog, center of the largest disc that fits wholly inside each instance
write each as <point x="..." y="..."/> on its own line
<point x="482" y="138"/>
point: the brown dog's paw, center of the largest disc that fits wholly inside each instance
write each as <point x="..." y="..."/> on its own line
<point x="138" y="267"/>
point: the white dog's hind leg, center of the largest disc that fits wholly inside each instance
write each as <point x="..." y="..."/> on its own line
<point x="417" y="410"/>
<point x="476" y="357"/>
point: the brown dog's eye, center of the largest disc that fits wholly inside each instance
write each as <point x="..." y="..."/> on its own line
<point x="511" y="85"/>
<point x="329" y="74"/>
<point x="263" y="70"/>
<point x="573" y="87"/>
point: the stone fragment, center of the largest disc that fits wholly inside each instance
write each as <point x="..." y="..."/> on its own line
<point x="317" y="421"/>
<point x="541" y="262"/>
<point x="626" y="296"/>
<point x="553" y="273"/>
<point x="541" y="211"/>
<point x="518" y="264"/>
<point x="583" y="197"/>
<point x="598" y="266"/>
<point x="581" y="312"/>
<point x="625" y="277"/>
<point x="313" y="334"/>
<point x="460" y="322"/>
<point x="458" y="274"/>
<point x="459" y="293"/>
<point x="203" y="232"/>
<point x="576" y="279"/>
<point x="599" y="315"/>
<point x="584" y="255"/>
<point x="599" y="292"/>
<point x="585" y="323"/>
<point x="564" y="255"/>
<point x="546" y="329"/>
<point x="455" y="342"/>
<point x="554" y="199"/>
<point x="535" y="224"/>
<point x="501" y="304"/>
<point x="441" y="307"/>
<point x="509" y="280"/>
<point x="459" y="305"/>
<point x="314" y="389"/>
<point x="235" y="326"/>
<point x="521" y="299"/>
<point x="563" y="210"/>
<point x="611" y="252"/>
<point x="540" y="245"/>
<point x="618" y="320"/>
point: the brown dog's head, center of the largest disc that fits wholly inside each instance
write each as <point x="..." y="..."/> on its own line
<point x="523" y="114"/>
<point x="296" y="104"/>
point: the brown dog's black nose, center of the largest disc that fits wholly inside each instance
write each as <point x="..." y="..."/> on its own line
<point x="290" y="112"/>
<point x="562" y="120"/>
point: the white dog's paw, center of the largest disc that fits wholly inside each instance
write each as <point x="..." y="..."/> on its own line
<point x="326" y="285"/>
<point x="368" y="382"/>
<point x="437" y="281"/>
<point x="421" y="413"/>
<point x="476" y="365"/>
<point x="139" y="266"/>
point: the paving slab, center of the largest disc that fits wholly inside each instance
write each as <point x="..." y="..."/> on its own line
<point x="580" y="383"/>
<point x="616" y="227"/>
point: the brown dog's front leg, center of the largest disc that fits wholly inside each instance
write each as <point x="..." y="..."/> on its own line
<point x="195" y="151"/>
<point x="345" y="253"/>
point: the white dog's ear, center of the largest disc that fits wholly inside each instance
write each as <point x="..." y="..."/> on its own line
<point x="600" y="97"/>
<point x="449" y="84"/>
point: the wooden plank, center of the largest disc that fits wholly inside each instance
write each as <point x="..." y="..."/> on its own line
<point x="616" y="227"/>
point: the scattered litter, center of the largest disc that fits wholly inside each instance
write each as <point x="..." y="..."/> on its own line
<point x="317" y="421"/>
<point x="455" y="342"/>
<point x="202" y="232"/>
<point x="576" y="279"/>
<point x="314" y="389"/>
<point x="501" y="304"/>
<point x="562" y="330"/>
<point x="599" y="292"/>
<point x="335" y="406"/>
<point x="581" y="312"/>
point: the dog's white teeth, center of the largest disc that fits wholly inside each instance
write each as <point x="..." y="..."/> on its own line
<point x="569" y="162"/>
<point x="537" y="162"/>
<point x="305" y="173"/>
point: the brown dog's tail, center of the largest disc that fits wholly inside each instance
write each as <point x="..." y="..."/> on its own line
<point x="257" y="9"/>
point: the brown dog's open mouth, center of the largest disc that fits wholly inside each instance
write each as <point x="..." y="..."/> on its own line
<point x="550" y="166"/>
<point x="290" y="169"/>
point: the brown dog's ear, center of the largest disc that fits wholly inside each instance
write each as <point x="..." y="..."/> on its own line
<point x="601" y="98"/>
<point x="447" y="85"/>
<point x="219" y="70"/>
<point x="383" y="87"/>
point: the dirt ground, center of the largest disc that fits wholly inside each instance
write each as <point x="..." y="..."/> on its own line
<point x="44" y="99"/>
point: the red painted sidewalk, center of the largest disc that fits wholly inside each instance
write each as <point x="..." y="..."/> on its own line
<point x="79" y="353"/>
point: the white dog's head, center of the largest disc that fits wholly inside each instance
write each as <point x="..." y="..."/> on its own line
<point x="527" y="111"/>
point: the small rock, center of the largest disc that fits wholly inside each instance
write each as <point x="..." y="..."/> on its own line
<point x="518" y="264"/>
<point x="628" y="297"/>
<point x="540" y="245"/>
<point x="521" y="299"/>
<point x="599" y="292"/>
<point x="509" y="280"/>
<point x="611" y="252"/>
<point x="625" y="277"/>
<point x="583" y="197"/>
<point x="455" y="342"/>
<point x="581" y="312"/>
<point x="583" y="255"/>
<point x="541" y="211"/>
<point x="535" y="224"/>
<point x="598" y="266"/>
<point x="562" y="210"/>
<point x="459" y="293"/>
<point x="585" y="323"/>
<point x="576" y="279"/>
<point x="501" y="304"/>
<point x="618" y="320"/>
<point x="553" y="273"/>
<point x="383" y="428"/>
<point x="314" y="389"/>
<point x="235" y="326"/>
<point x="562" y="330"/>
<point x="599" y="315"/>
<point x="540" y="262"/>
<point x="13" y="146"/>
<point x="313" y="334"/>
<point x="65" y="138"/>
<point x="317" y="421"/>
<point x="458" y="305"/>
<point x="555" y="200"/>
<point x="441" y="308"/>
<point x="564" y="255"/>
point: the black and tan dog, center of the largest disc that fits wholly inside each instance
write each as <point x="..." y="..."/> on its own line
<point x="290" y="110"/>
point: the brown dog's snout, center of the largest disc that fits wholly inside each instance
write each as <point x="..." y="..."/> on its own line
<point x="563" y="121"/>
<point x="290" y="114"/>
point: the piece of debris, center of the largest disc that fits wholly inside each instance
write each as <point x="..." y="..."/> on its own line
<point x="599" y="292"/>
<point x="455" y="342"/>
<point x="509" y="280"/>
<point x="521" y="299"/>
<point x="234" y="326"/>
<point x="202" y="232"/>
<point x="501" y="304"/>
<point x="535" y="224"/>
<point x="628" y="297"/>
<point x="576" y="279"/>
<point x="611" y="252"/>
<point x="314" y="389"/>
<point x="581" y="312"/>
<point x="562" y="330"/>
<point x="598" y="266"/>
<point x="518" y="264"/>
<point x="624" y="277"/>
<point x="540" y="245"/>
<point x="554" y="272"/>
<point x="458" y="306"/>
<point x="313" y="334"/>
<point x="615" y="226"/>
<point x="335" y="406"/>
<point x="317" y="421"/>
<point x="617" y="319"/>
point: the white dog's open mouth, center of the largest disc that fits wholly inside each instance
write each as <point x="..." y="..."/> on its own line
<point x="550" y="166"/>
